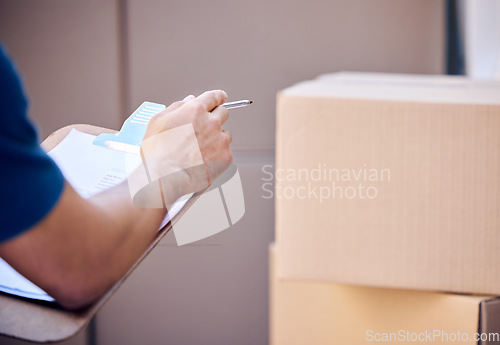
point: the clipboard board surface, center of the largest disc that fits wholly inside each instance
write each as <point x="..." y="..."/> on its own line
<point x="43" y="322"/>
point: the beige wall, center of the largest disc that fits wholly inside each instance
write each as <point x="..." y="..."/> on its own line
<point x="67" y="53"/>
<point x="253" y="49"/>
<point x="214" y="291"/>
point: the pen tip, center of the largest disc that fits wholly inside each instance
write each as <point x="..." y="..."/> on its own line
<point x="250" y="102"/>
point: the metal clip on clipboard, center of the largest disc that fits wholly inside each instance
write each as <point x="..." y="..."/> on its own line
<point x="130" y="136"/>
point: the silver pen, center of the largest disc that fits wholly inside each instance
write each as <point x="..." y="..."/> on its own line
<point x="237" y="104"/>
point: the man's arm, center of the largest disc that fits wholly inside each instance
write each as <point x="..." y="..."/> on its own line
<point x="83" y="246"/>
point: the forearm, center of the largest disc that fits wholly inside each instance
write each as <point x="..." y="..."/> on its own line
<point x="84" y="246"/>
<point x="125" y="232"/>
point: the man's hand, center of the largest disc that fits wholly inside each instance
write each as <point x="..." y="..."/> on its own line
<point x="83" y="246"/>
<point x="185" y="149"/>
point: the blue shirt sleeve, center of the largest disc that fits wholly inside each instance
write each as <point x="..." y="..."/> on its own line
<point x="30" y="180"/>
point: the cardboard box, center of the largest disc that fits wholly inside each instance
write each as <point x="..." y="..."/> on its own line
<point x="328" y="314"/>
<point x="390" y="181"/>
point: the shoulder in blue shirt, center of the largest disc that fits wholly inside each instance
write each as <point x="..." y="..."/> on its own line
<point x="31" y="181"/>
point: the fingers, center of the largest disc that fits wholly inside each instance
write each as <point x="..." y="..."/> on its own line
<point x="211" y="99"/>
<point x="174" y="106"/>
<point x="221" y="114"/>
<point x="179" y="104"/>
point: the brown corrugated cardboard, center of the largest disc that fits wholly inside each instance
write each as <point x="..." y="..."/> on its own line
<point x="304" y="312"/>
<point x="390" y="181"/>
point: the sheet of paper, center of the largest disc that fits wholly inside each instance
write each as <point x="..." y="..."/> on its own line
<point x="90" y="171"/>
<point x="15" y="284"/>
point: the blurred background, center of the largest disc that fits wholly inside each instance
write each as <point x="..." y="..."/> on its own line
<point x="89" y="61"/>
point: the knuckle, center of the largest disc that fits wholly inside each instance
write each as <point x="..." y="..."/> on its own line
<point x="194" y="115"/>
<point x="214" y="124"/>
<point x="228" y="137"/>
<point x="195" y="108"/>
<point x="193" y="119"/>
<point x="228" y="156"/>
<point x="198" y="108"/>
<point x="226" y="143"/>
<point x="224" y="113"/>
<point x="156" y="117"/>
<point x="153" y="120"/>
<point x="218" y="97"/>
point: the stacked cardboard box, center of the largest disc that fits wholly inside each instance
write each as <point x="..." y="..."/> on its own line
<point x="317" y="313"/>
<point x="388" y="181"/>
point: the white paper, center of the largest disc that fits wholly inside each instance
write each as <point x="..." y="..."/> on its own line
<point x="90" y="169"/>
<point x="15" y="284"/>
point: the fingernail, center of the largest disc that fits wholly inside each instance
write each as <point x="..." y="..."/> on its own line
<point x="189" y="98"/>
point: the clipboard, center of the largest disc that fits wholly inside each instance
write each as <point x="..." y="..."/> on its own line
<point x="42" y="322"/>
